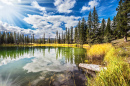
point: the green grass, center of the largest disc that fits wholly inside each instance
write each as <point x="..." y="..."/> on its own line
<point x="118" y="68"/>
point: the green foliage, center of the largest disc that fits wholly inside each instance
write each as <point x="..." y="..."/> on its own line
<point x="108" y="31"/>
<point x="122" y="17"/>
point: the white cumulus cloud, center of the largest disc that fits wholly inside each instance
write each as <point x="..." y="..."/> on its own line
<point x="64" y="6"/>
<point x="36" y="5"/>
<point x="90" y="5"/>
<point x="49" y="24"/>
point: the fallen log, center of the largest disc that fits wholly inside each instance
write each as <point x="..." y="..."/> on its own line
<point x="92" y="67"/>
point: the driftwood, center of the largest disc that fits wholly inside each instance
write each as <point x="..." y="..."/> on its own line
<point x="92" y="67"/>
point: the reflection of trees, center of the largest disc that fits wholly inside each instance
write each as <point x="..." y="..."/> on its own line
<point x="16" y="52"/>
<point x="72" y="55"/>
<point x="13" y="51"/>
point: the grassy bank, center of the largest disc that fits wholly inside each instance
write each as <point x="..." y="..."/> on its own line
<point x="86" y="46"/>
<point x="116" y="59"/>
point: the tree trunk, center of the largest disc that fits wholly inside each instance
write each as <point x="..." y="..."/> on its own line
<point x="125" y="38"/>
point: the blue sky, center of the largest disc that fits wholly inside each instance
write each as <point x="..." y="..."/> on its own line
<point x="48" y="16"/>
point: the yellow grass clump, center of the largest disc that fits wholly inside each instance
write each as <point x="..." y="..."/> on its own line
<point x="117" y="73"/>
<point x="99" y="50"/>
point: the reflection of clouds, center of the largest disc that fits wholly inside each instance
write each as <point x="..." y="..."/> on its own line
<point x="48" y="63"/>
<point x="45" y="64"/>
<point x="5" y="61"/>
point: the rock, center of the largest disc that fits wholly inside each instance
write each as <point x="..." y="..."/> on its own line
<point x="92" y="67"/>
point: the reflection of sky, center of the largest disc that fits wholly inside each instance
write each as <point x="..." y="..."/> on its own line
<point x="47" y="63"/>
<point x="5" y="61"/>
<point x="40" y="64"/>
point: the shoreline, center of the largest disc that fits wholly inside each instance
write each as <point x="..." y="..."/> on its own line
<point x="86" y="46"/>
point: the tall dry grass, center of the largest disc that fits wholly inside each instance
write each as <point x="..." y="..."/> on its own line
<point x="118" y="71"/>
<point x="99" y="50"/>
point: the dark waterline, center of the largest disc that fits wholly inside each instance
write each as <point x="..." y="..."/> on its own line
<point x="41" y="66"/>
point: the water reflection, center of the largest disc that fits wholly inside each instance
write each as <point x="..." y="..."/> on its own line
<point x="41" y="66"/>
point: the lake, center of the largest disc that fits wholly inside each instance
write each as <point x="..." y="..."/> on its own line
<point x="41" y="66"/>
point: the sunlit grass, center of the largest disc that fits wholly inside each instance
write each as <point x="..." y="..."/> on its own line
<point x="117" y="73"/>
<point x="98" y="50"/>
<point x="86" y="46"/>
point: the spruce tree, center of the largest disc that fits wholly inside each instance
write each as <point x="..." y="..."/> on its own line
<point x="27" y="39"/>
<point x="71" y="35"/>
<point x="62" y="39"/>
<point x="115" y="31"/>
<point x="122" y="17"/>
<point x="66" y="40"/>
<point x="83" y="31"/>
<point x="0" y="37"/>
<point x="95" y="19"/>
<point x="76" y="35"/>
<point x="103" y="26"/>
<point x="95" y="23"/>
<point x="89" y="30"/>
<point x="102" y="30"/>
<point x="33" y="39"/>
<point x="44" y="38"/>
<point x="59" y="39"/>
<point x="79" y="32"/>
<point x="57" y="36"/>
<point x="108" y="31"/>
<point x="49" y="39"/>
<point x="68" y="36"/>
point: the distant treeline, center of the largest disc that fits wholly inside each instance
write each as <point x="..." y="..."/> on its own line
<point x="85" y="32"/>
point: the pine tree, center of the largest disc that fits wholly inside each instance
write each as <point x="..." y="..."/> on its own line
<point x="89" y="30"/>
<point x="62" y="39"/>
<point x="76" y="35"/>
<point x="95" y="22"/>
<point x="44" y="38"/>
<point x="0" y="37"/>
<point x="15" y="37"/>
<point x="103" y="26"/>
<point x="83" y="31"/>
<point x="49" y="39"/>
<point x="71" y="35"/>
<point x="108" y="31"/>
<point x="27" y="39"/>
<point x="57" y="36"/>
<point x="68" y="36"/>
<point x="102" y="30"/>
<point x="95" y="19"/>
<point x="33" y="39"/>
<point x="79" y="32"/>
<point x="59" y="39"/>
<point x="90" y="20"/>
<point x="122" y="17"/>
<point x="115" y="31"/>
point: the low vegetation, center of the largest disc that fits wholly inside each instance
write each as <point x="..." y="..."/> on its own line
<point x="118" y="68"/>
<point x="98" y="50"/>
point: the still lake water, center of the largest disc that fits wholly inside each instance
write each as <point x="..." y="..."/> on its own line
<point x="41" y="66"/>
